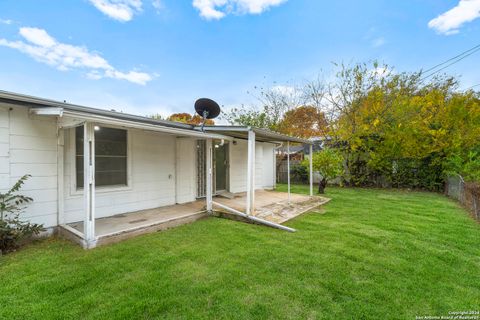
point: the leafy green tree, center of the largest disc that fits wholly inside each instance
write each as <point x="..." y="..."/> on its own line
<point x="393" y="129"/>
<point x="329" y="163"/>
<point x="399" y="129"/>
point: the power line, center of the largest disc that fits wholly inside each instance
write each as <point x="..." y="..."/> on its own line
<point x="452" y="63"/>
<point x="455" y="60"/>
<point x="475" y="85"/>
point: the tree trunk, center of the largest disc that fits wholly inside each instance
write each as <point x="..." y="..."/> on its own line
<point x="322" y="185"/>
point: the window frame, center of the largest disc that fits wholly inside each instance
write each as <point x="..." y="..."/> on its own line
<point x="74" y="191"/>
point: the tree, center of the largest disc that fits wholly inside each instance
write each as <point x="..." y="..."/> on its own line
<point x="398" y="129"/>
<point x="304" y="122"/>
<point x="273" y="103"/>
<point x="189" y="119"/>
<point x="329" y="163"/>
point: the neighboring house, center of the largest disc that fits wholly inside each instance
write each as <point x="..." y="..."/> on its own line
<point x="87" y="164"/>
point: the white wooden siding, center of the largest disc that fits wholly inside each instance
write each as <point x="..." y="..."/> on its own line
<point x="186" y="170"/>
<point x="28" y="145"/>
<point x="238" y="166"/>
<point x="269" y="166"/>
<point x="263" y="166"/>
<point x="4" y="148"/>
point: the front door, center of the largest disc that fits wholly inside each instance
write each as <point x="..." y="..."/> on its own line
<point x="221" y="166"/>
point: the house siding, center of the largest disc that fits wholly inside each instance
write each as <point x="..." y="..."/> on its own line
<point x="4" y="148"/>
<point x="263" y="166"/>
<point x="151" y="178"/>
<point x="161" y="169"/>
<point x="28" y="145"/>
<point x="268" y="173"/>
<point x="186" y="170"/>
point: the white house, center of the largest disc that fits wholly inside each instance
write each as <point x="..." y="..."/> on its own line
<point x="88" y="164"/>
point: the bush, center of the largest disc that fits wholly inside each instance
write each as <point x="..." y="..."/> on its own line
<point x="299" y="173"/>
<point x="13" y="231"/>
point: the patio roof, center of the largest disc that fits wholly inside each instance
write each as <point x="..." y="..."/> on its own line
<point x="264" y="135"/>
<point x="35" y="102"/>
<point x="239" y="132"/>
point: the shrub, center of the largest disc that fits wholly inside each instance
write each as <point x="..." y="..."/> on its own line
<point x="14" y="231"/>
<point x="329" y="163"/>
<point x="300" y="173"/>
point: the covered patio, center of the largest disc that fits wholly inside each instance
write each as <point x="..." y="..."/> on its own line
<point x="272" y="206"/>
<point x="253" y="204"/>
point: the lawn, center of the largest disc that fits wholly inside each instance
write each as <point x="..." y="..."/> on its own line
<point x="369" y="254"/>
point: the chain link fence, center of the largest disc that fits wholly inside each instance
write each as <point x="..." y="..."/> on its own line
<point x="467" y="193"/>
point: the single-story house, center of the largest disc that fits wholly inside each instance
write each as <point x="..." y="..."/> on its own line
<point x="89" y="164"/>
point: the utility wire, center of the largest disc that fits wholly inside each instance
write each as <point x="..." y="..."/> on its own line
<point x="475" y="85"/>
<point x="456" y="60"/>
<point x="457" y="56"/>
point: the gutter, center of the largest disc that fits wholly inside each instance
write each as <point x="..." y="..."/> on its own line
<point x="34" y="102"/>
<point x="142" y="126"/>
<point x="274" y="136"/>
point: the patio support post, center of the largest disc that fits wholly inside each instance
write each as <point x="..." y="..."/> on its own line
<point x="89" y="184"/>
<point x="288" y="170"/>
<point x="311" y="170"/>
<point x="251" y="173"/>
<point x="209" y="164"/>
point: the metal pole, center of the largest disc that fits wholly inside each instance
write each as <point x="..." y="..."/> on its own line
<point x="250" y="172"/>
<point x="311" y="170"/>
<point x="209" y="163"/>
<point x="253" y="159"/>
<point x="265" y="222"/>
<point x="288" y="170"/>
<point x="89" y="184"/>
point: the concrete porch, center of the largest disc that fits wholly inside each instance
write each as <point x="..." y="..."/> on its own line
<point x="270" y="205"/>
<point x="275" y="206"/>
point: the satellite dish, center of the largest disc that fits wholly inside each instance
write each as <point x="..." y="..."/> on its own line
<point x="207" y="109"/>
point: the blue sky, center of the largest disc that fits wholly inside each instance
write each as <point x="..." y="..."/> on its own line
<point x="148" y="56"/>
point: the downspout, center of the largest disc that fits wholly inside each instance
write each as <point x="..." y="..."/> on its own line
<point x="60" y="174"/>
<point x="278" y="146"/>
<point x="288" y="170"/>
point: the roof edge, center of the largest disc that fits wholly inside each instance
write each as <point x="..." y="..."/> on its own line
<point x="32" y="101"/>
<point x="275" y="136"/>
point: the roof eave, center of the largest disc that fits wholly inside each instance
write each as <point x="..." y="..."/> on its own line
<point x="30" y="101"/>
<point x="274" y="136"/>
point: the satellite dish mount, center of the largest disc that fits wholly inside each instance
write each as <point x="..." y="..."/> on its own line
<point x="207" y="109"/>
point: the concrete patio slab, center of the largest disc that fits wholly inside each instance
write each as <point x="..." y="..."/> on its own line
<point x="269" y="205"/>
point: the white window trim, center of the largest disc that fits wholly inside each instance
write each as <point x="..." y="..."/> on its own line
<point x="99" y="189"/>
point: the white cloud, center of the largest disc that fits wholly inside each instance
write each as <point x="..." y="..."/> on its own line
<point x="158" y="5"/>
<point x="449" y="22"/>
<point x="217" y="9"/>
<point x="6" y="21"/>
<point x="38" y="36"/>
<point x="121" y="10"/>
<point x="44" y="48"/>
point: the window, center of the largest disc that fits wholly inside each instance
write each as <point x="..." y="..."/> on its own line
<point x="110" y="156"/>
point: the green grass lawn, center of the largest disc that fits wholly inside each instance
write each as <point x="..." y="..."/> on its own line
<point x="372" y="254"/>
